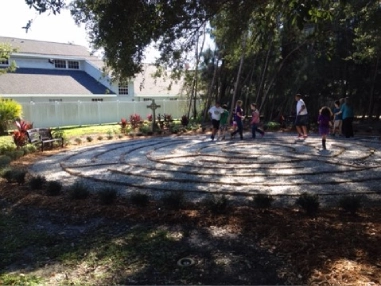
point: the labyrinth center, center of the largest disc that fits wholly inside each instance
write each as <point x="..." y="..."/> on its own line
<point x="275" y="165"/>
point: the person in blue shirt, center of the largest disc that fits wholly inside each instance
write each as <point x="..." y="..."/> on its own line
<point x="346" y="111"/>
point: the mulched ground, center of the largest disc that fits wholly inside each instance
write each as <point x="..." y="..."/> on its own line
<point x="274" y="246"/>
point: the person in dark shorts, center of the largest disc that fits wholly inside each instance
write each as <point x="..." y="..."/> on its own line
<point x="238" y="117"/>
<point x="301" y="120"/>
<point x="215" y="114"/>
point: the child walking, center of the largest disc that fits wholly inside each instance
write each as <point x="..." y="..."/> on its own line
<point x="255" y="118"/>
<point x="324" y="121"/>
<point x="223" y="123"/>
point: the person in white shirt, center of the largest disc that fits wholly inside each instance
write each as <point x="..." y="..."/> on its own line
<point x="301" y="120"/>
<point x="215" y="114"/>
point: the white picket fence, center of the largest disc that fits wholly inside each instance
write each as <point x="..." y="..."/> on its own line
<point x="58" y="114"/>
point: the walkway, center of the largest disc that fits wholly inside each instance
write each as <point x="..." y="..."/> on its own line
<point x="275" y="165"/>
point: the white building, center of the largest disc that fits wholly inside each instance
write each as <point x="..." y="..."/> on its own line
<point x="50" y="72"/>
<point x="63" y="84"/>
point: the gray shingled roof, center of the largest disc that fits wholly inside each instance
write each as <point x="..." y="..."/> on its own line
<point x="46" y="81"/>
<point x="36" y="47"/>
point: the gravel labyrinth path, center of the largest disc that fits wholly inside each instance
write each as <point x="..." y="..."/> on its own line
<point x="195" y="165"/>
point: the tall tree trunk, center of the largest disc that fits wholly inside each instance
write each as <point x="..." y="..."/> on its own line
<point x="195" y="81"/>
<point x="276" y="73"/>
<point x="210" y="90"/>
<point x="243" y="47"/>
<point x="371" y="98"/>
<point x="263" y="76"/>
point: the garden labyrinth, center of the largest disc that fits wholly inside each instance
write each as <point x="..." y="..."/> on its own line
<point x="195" y="165"/>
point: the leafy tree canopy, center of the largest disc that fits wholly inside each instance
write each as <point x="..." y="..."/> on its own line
<point x="5" y="53"/>
<point x="124" y="28"/>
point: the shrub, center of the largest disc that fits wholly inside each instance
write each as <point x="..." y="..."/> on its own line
<point x="309" y="203"/>
<point x="109" y="135"/>
<point x="20" y="137"/>
<point x="8" y="174"/>
<point x="351" y="203"/>
<point x="145" y="129"/>
<point x="7" y="147"/>
<point x="272" y="126"/>
<point x="263" y="201"/>
<point x="5" y="161"/>
<point x="78" y="141"/>
<point x="173" y="200"/>
<point x="184" y="120"/>
<point x="19" y="176"/>
<point x="53" y="188"/>
<point x="37" y="182"/>
<point x="216" y="204"/>
<point x="78" y="191"/>
<point x="31" y="148"/>
<point x="9" y="110"/>
<point x="107" y="195"/>
<point x="123" y="125"/>
<point x="11" y="154"/>
<point x="59" y="133"/>
<point x="100" y="138"/>
<point x="89" y="139"/>
<point x="139" y="199"/>
<point x="135" y="120"/>
<point x="18" y="154"/>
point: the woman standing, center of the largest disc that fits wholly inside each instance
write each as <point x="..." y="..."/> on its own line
<point x="346" y="110"/>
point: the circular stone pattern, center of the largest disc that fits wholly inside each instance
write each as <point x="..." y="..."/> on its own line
<point x="275" y="165"/>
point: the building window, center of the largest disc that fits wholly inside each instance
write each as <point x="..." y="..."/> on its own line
<point x="60" y="64"/>
<point x="73" y="65"/>
<point x="123" y="89"/>
<point x="55" y="99"/>
<point x="4" y="62"/>
<point x="97" y="99"/>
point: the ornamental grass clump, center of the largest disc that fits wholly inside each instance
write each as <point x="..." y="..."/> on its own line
<point x="53" y="188"/>
<point x="173" y="200"/>
<point x="5" y="161"/>
<point x="216" y="204"/>
<point x="309" y="203"/>
<point x="37" y="182"/>
<point x="107" y="195"/>
<point x="78" y="191"/>
<point x="19" y="176"/>
<point x="350" y="203"/>
<point x="263" y="201"/>
<point x="139" y="199"/>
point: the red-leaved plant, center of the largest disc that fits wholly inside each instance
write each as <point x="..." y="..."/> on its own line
<point x="123" y="124"/>
<point x="20" y="137"/>
<point x="135" y="120"/>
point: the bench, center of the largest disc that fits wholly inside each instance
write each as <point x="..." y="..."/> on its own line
<point x="42" y="136"/>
